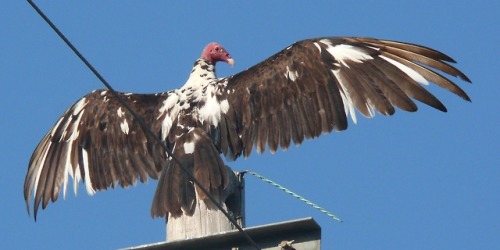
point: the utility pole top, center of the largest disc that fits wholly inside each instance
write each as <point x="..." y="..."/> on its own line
<point x="301" y="234"/>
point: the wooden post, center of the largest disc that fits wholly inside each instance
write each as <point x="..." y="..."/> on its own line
<point x="207" y="219"/>
<point x="209" y="229"/>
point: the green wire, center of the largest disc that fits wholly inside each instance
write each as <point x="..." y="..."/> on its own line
<point x="288" y="191"/>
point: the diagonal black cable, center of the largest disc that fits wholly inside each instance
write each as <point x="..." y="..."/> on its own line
<point x="141" y="122"/>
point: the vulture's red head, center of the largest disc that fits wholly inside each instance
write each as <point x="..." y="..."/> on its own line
<point x="214" y="53"/>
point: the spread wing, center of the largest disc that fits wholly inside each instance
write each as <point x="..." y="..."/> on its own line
<point x="99" y="142"/>
<point x="312" y="86"/>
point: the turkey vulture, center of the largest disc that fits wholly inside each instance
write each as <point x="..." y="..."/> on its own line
<point x="305" y="90"/>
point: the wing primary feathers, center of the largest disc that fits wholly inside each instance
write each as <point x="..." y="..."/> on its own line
<point x="425" y="60"/>
<point x="415" y="49"/>
<point x="412" y="88"/>
<point x="51" y="175"/>
<point x="432" y="76"/>
<point x="385" y="79"/>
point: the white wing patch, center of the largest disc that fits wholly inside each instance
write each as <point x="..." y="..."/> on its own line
<point x="120" y="112"/>
<point x="76" y="176"/>
<point x="346" y="97"/>
<point x="88" y="181"/>
<point x="78" y="111"/>
<point x="410" y="72"/>
<point x="124" y="126"/>
<point x="345" y="53"/>
<point x="74" y="128"/>
<point x="54" y="129"/>
<point x="317" y="46"/>
<point x="292" y="75"/>
<point x="68" y="169"/>
<point x="79" y="106"/>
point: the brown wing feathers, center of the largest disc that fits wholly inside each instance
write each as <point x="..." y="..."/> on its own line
<point x="308" y="89"/>
<point x="97" y="142"/>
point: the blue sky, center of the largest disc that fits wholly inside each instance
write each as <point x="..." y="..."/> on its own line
<point x="425" y="180"/>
